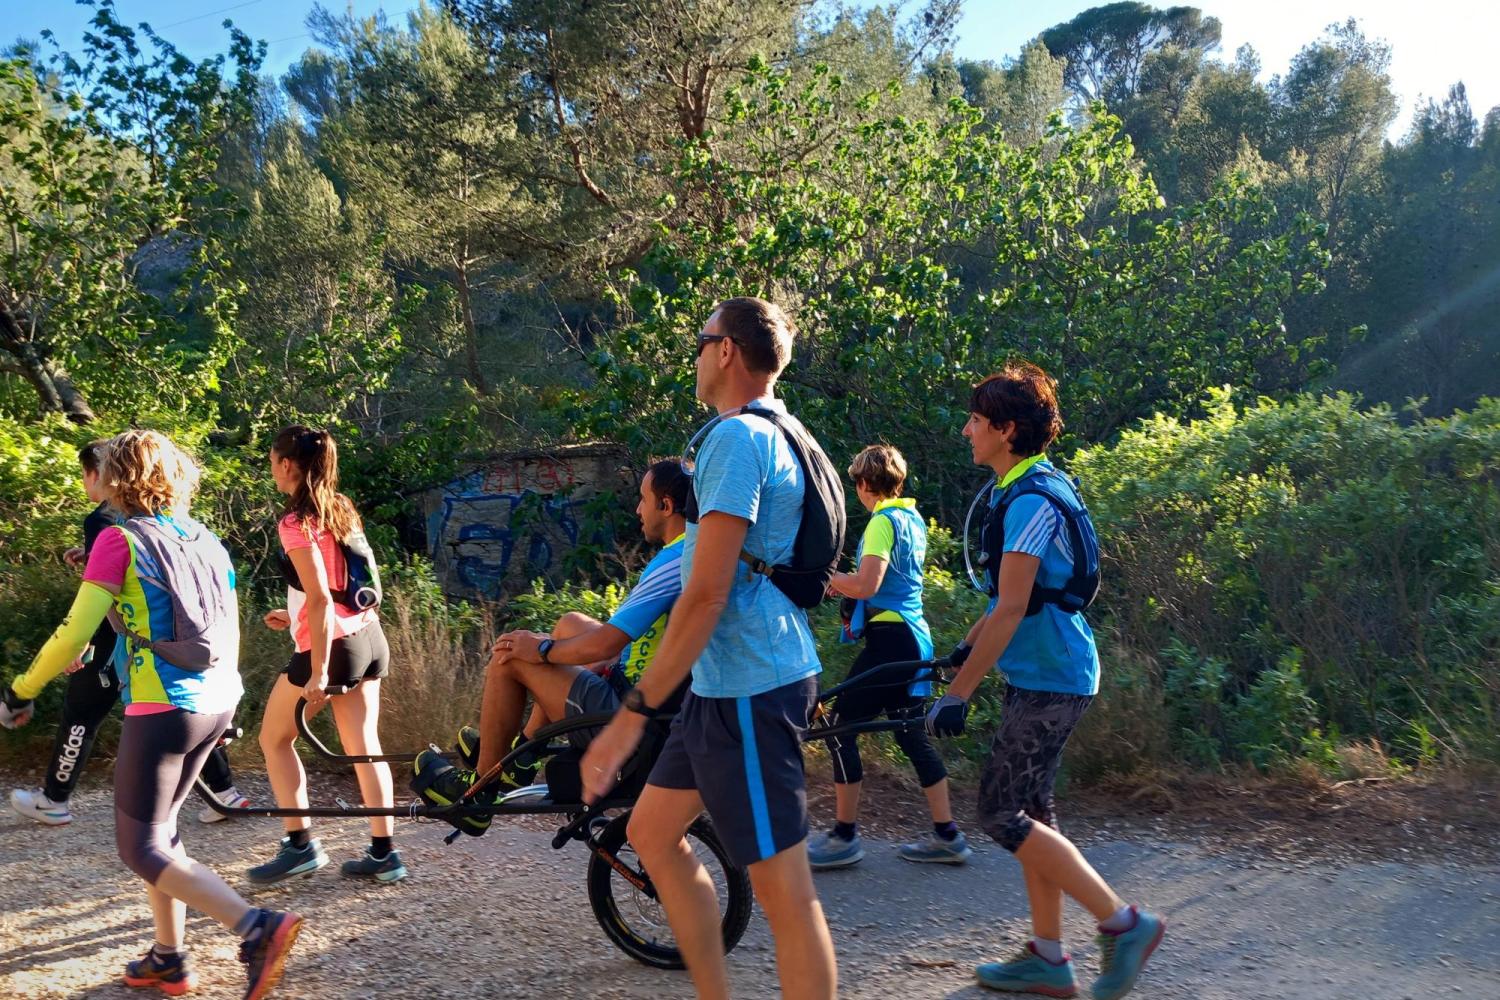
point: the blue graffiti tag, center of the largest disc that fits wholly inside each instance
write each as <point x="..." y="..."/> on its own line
<point x="480" y="536"/>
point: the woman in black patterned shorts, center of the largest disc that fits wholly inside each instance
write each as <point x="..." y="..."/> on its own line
<point x="1037" y="539"/>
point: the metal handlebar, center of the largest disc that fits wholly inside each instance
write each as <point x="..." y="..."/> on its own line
<point x="343" y="758"/>
<point x="919" y="670"/>
<point x="910" y="671"/>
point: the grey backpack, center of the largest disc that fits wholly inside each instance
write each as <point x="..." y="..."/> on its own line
<point x="184" y="566"/>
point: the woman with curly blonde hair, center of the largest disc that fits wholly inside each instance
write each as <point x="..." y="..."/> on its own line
<point x="167" y="586"/>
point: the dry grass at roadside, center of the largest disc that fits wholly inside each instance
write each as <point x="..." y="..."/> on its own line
<point x="436" y="678"/>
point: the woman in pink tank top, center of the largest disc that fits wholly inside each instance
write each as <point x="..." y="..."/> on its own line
<point x="335" y="645"/>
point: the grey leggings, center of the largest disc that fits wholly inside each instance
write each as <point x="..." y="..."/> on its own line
<point x="158" y="759"/>
<point x="1015" y="789"/>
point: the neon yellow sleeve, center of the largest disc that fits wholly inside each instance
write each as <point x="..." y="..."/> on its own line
<point x="880" y="538"/>
<point x="88" y="611"/>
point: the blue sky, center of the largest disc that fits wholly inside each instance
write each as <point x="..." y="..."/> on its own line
<point x="1435" y="42"/>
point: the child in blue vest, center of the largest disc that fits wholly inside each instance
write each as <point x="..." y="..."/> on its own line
<point x="885" y="592"/>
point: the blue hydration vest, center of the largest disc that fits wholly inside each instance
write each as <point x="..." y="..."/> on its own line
<point x="901" y="589"/>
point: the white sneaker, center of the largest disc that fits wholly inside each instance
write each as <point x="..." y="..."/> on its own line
<point x="230" y="798"/>
<point x="34" y="804"/>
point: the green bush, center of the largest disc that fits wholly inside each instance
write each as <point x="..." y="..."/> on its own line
<point x="1305" y="582"/>
<point x="1306" y="572"/>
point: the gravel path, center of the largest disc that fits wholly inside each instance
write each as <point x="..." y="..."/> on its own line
<point x="506" y="916"/>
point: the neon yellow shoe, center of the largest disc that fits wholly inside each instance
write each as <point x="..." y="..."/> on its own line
<point x="438" y="783"/>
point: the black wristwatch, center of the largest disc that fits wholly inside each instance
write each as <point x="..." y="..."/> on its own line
<point x="635" y="702"/>
<point x="545" y="647"/>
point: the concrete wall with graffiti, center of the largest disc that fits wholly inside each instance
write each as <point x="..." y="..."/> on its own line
<point x="516" y="517"/>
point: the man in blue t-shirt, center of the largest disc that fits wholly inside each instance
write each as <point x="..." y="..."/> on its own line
<point x="735" y="748"/>
<point x="584" y="666"/>
<point x="1047" y="656"/>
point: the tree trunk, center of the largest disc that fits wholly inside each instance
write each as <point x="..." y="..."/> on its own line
<point x="55" y="390"/>
<point x="74" y="405"/>
<point x="471" y="335"/>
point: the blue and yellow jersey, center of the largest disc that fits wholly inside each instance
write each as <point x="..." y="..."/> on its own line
<point x="145" y="609"/>
<point x="643" y="615"/>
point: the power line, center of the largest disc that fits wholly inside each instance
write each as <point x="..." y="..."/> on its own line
<point x="308" y="34"/>
<point x="199" y="17"/>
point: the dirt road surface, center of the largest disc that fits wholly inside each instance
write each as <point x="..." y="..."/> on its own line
<point x="506" y="916"/>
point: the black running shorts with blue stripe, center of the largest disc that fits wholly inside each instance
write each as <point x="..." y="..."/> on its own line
<point x="744" y="758"/>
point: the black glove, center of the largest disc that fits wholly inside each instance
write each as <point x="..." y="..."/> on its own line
<point x="947" y="716"/>
<point x="15" y="711"/>
<point x="959" y="655"/>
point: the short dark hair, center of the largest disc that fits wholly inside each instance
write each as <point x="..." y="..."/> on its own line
<point x="91" y="455"/>
<point x="761" y="329"/>
<point x="1023" y="394"/>
<point x="670" y="480"/>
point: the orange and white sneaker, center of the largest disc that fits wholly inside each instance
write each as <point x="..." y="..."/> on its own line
<point x="169" y="973"/>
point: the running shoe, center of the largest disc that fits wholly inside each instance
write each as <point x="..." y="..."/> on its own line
<point x="468" y="747"/>
<point x="171" y="974"/>
<point x="522" y="771"/>
<point x="439" y="783"/>
<point x="1029" y="972"/>
<point x="386" y="869"/>
<point x="34" y="804"/>
<point x="231" y="798"/>
<point x="933" y="849"/>
<point x="1123" y="954"/>
<point x="829" y="850"/>
<point x="289" y="861"/>
<point x="518" y="774"/>
<point x="265" y="949"/>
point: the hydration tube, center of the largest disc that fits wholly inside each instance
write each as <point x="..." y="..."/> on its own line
<point x="975" y="580"/>
<point x="690" y="453"/>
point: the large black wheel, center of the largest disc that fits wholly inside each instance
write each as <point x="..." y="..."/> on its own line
<point x="635" y="922"/>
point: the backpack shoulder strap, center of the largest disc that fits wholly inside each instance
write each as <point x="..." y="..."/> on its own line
<point x="1072" y="512"/>
<point x="135" y="537"/>
<point x="756" y="563"/>
<point x="1045" y="487"/>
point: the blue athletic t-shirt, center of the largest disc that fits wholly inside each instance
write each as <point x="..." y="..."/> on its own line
<point x="643" y="615"/>
<point x="746" y="468"/>
<point x="1051" y="650"/>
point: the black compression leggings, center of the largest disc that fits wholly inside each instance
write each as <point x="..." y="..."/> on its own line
<point x="91" y="696"/>
<point x="885" y="642"/>
<point x="159" y="757"/>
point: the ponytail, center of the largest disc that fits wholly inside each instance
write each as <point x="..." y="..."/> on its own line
<point x="316" y="501"/>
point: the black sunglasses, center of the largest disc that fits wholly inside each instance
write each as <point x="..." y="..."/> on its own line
<point x="704" y="339"/>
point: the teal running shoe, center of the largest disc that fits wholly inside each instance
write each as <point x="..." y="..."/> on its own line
<point x="386" y="869"/>
<point x="933" y="849"/>
<point x="1123" y="954"/>
<point x="289" y="862"/>
<point x="829" y="850"/>
<point x="1029" y="972"/>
